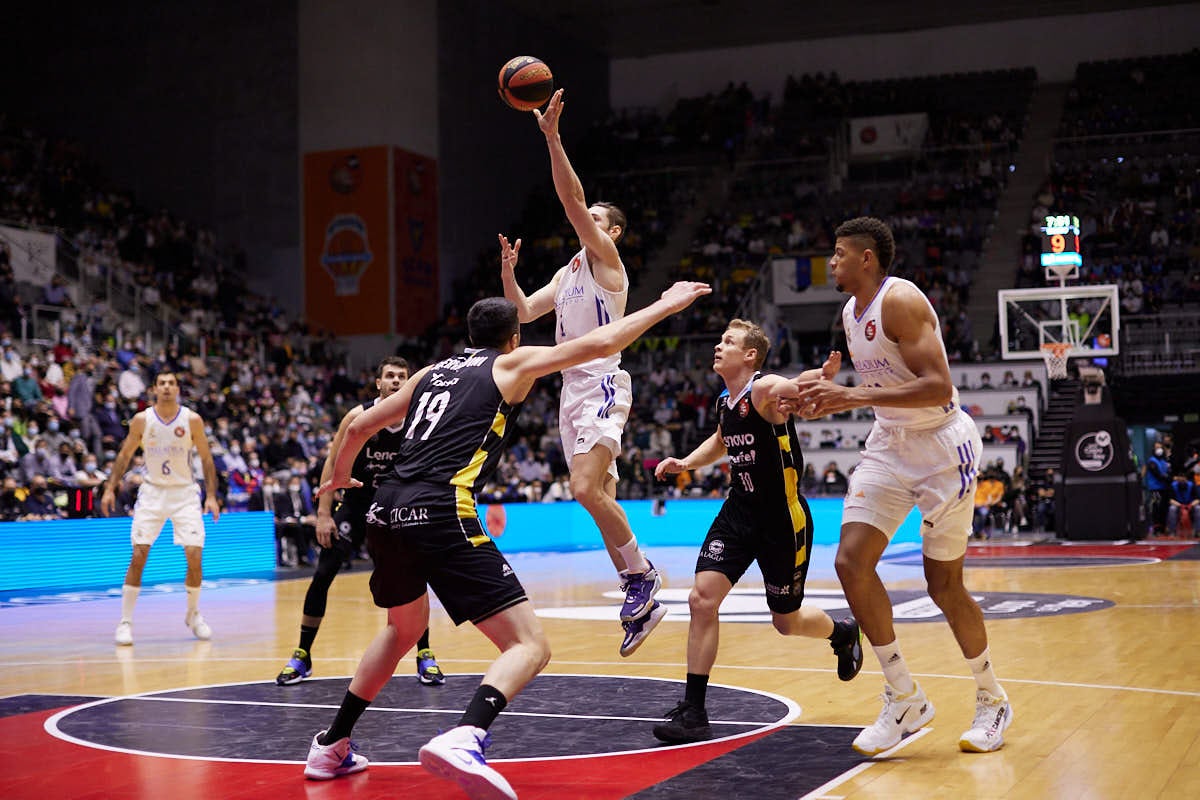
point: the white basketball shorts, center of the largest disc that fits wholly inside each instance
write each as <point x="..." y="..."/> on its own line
<point x="592" y="411"/>
<point x="157" y="504"/>
<point x="935" y="470"/>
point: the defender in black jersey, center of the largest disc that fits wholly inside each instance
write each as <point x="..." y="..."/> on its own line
<point x="424" y="530"/>
<point x="342" y="532"/>
<point x="764" y="518"/>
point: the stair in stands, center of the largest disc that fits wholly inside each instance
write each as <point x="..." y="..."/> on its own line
<point x="1060" y="411"/>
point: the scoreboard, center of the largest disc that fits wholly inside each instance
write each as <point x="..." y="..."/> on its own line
<point x="1060" y="242"/>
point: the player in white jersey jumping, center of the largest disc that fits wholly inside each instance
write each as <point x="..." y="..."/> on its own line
<point x="923" y="451"/>
<point x="589" y="292"/>
<point x="166" y="432"/>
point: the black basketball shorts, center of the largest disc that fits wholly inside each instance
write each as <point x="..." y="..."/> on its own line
<point x="739" y="536"/>
<point x="417" y="540"/>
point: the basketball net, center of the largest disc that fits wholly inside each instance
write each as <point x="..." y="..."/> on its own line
<point x="1056" y="355"/>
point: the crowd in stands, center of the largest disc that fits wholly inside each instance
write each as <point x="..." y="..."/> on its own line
<point x="1134" y="182"/>
<point x="271" y="390"/>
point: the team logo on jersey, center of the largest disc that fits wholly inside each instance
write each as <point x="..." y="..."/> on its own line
<point x="869" y="330"/>
<point x="179" y="431"/>
<point x="715" y="550"/>
<point x="743" y="406"/>
<point x="576" y="263"/>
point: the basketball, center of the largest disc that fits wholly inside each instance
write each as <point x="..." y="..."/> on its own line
<point x="525" y="83"/>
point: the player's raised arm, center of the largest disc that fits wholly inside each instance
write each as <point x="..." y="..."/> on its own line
<point x="519" y="369"/>
<point x="570" y="190"/>
<point x="387" y="412"/>
<point x="133" y="440"/>
<point x="532" y="306"/>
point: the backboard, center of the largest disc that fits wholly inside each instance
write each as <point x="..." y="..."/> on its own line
<point x="1089" y="317"/>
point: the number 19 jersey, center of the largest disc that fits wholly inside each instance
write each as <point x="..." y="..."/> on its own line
<point x="457" y="427"/>
<point x="167" y="448"/>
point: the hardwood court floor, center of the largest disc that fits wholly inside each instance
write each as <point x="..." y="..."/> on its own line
<point x="1107" y="700"/>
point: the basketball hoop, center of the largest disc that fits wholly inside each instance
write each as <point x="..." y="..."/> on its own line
<point x="1056" y="355"/>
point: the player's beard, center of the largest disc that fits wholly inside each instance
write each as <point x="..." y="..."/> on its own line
<point x="841" y="289"/>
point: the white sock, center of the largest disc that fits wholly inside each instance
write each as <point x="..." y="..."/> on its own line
<point x="129" y="596"/>
<point x="895" y="671"/>
<point x="193" y="593"/>
<point x="635" y="559"/>
<point x="985" y="678"/>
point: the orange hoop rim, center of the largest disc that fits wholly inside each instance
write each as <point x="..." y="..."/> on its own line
<point x="1057" y="349"/>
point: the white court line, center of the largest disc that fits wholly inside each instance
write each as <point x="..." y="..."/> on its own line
<point x="401" y="710"/>
<point x="820" y="793"/>
<point x="671" y="664"/>
<point x="793" y="711"/>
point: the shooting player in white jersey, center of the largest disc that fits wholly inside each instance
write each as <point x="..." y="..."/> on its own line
<point x="587" y="293"/>
<point x="166" y="432"/>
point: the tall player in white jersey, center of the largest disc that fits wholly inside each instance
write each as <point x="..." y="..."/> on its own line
<point x="166" y="432"/>
<point x="922" y="451"/>
<point x="589" y="292"/>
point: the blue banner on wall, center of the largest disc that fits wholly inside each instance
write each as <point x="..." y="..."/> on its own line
<point x="94" y="553"/>
<point x="533" y="527"/>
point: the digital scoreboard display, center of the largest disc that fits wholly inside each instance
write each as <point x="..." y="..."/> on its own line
<point x="1060" y="241"/>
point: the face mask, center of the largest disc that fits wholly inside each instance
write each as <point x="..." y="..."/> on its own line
<point x="110" y="405"/>
<point x="295" y="487"/>
<point x="90" y="466"/>
<point x="53" y="425"/>
<point x="34" y="430"/>
<point x="1158" y="453"/>
<point x="254" y="462"/>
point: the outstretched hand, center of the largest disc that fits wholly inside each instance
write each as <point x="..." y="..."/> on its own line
<point x="334" y="483"/>
<point x="683" y="293"/>
<point x="669" y="466"/>
<point x="508" y="252"/>
<point x="832" y="365"/>
<point x="548" y="120"/>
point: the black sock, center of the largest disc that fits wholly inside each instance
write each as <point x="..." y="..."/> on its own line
<point x="423" y="642"/>
<point x="841" y="632"/>
<point x="697" y="687"/>
<point x="485" y="706"/>
<point x="348" y="713"/>
<point x="307" y="637"/>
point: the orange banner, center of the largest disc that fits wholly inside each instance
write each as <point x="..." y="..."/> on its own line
<point x="347" y="275"/>
<point x="416" y="237"/>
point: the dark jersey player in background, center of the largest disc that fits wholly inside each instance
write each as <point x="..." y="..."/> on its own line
<point x="764" y="517"/>
<point x="424" y="530"/>
<point x="341" y="533"/>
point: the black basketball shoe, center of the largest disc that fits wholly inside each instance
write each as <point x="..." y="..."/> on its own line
<point x="684" y="723"/>
<point x="847" y="646"/>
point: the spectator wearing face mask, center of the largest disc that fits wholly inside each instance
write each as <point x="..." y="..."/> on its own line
<point x="54" y="435"/>
<point x="89" y="475"/>
<point x="295" y="523"/>
<point x="40" y="503"/>
<point x="38" y="462"/>
<point x="11" y="363"/>
<point x="25" y="387"/>
<point x="108" y="420"/>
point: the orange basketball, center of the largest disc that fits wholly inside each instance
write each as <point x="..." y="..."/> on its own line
<point x="525" y="83"/>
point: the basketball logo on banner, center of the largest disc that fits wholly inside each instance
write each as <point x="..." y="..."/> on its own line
<point x="1094" y="451"/>
<point x="347" y="253"/>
